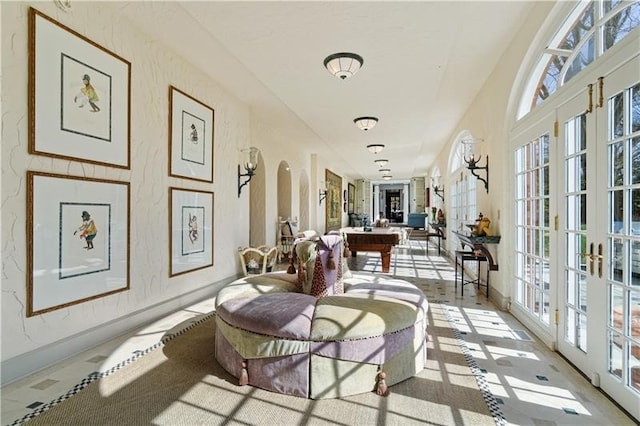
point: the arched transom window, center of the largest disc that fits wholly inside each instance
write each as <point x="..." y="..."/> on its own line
<point x="588" y="32"/>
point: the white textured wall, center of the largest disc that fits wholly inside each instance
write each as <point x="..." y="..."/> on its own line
<point x="32" y="343"/>
<point x="490" y="118"/>
<point x="153" y="70"/>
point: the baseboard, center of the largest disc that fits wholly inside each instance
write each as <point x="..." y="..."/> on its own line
<point x="501" y="301"/>
<point x="20" y="366"/>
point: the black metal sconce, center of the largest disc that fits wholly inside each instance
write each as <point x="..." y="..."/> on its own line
<point x="323" y="195"/>
<point x="322" y="192"/>
<point x="472" y="162"/>
<point x="437" y="189"/>
<point x="250" y="167"/>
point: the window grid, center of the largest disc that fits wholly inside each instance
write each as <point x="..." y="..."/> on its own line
<point x="532" y="228"/>
<point x="599" y="26"/>
<point x="463" y="194"/>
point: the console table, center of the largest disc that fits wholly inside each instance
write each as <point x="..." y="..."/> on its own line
<point x="439" y="233"/>
<point x="378" y="239"/>
<point x="479" y="253"/>
<point x="479" y="244"/>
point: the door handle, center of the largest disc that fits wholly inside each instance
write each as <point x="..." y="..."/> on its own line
<point x="600" y="258"/>
<point x="589" y="256"/>
<point x="592" y="259"/>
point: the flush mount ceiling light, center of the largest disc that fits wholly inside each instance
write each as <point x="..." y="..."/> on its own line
<point x="343" y="64"/>
<point x="380" y="162"/>
<point x="366" y="123"/>
<point x="387" y="177"/>
<point x="385" y="171"/>
<point x="375" y="148"/>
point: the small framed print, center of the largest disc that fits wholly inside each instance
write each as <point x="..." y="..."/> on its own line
<point x="78" y="240"/>
<point x="79" y="96"/>
<point x="351" y="198"/>
<point x="190" y="230"/>
<point x="190" y="137"/>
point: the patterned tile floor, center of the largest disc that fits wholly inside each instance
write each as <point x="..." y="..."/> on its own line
<point x="531" y="384"/>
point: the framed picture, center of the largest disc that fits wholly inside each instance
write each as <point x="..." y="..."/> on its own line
<point x="78" y="240"/>
<point x="333" y="202"/>
<point x="190" y="137"/>
<point x="351" y="197"/>
<point x="190" y="230"/>
<point x="79" y="96"/>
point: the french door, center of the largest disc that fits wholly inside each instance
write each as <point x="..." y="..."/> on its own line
<point x="598" y="296"/>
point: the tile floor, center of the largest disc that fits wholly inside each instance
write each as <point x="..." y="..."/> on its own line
<point x="531" y="384"/>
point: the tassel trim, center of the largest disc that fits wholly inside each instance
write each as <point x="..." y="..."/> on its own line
<point x="244" y="375"/>
<point x="381" y="386"/>
<point x="331" y="264"/>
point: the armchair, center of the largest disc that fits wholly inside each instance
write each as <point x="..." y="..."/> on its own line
<point x="258" y="260"/>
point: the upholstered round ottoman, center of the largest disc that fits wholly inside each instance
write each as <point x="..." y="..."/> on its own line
<point x="272" y="336"/>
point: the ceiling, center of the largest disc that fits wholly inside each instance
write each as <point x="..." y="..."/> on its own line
<point x="424" y="62"/>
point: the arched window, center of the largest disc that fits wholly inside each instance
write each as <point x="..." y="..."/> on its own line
<point x="589" y="31"/>
<point x="463" y="188"/>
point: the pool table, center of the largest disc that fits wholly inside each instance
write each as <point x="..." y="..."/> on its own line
<point x="378" y="239"/>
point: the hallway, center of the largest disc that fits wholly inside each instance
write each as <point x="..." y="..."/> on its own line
<point x="530" y="384"/>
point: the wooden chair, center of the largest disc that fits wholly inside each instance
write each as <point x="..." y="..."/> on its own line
<point x="286" y="236"/>
<point x="258" y="260"/>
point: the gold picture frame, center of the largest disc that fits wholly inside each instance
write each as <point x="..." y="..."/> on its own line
<point x="190" y="230"/>
<point x="333" y="202"/>
<point x="351" y="197"/>
<point x="79" y="96"/>
<point x="191" y="128"/>
<point x="77" y="240"/>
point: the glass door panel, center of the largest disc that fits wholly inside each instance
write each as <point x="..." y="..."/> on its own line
<point x="619" y="134"/>
<point x="576" y="141"/>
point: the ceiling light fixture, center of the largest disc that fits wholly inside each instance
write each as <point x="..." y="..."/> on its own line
<point x="343" y="65"/>
<point x="375" y="148"/>
<point x="387" y="177"/>
<point x="380" y="162"/>
<point x="385" y="171"/>
<point x="366" y="123"/>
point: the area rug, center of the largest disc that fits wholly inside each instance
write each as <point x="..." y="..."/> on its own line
<point x="179" y="382"/>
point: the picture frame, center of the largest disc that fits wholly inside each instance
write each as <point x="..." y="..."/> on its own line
<point x="190" y="230"/>
<point x="333" y="202"/>
<point x="191" y="128"/>
<point x="77" y="240"/>
<point x="79" y="96"/>
<point x="351" y="198"/>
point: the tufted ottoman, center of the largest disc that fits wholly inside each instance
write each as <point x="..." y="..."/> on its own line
<point x="272" y="336"/>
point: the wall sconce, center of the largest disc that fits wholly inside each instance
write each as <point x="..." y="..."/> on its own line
<point x="250" y="166"/>
<point x="322" y="192"/>
<point x="435" y="184"/>
<point x="472" y="163"/>
<point x="343" y="65"/>
<point x="63" y="5"/>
